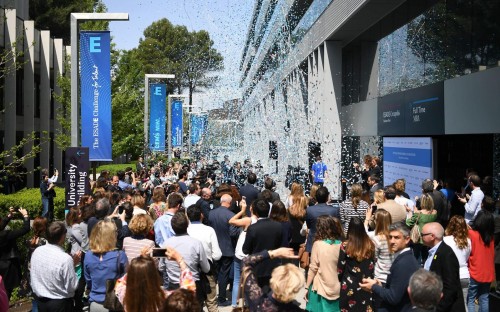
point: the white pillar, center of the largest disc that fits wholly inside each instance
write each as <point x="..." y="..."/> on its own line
<point x="45" y="95"/>
<point x="58" y="61"/>
<point x="9" y="97"/>
<point x="29" y="94"/>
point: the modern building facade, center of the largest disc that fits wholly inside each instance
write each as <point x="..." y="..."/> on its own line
<point x="26" y="95"/>
<point x="334" y="77"/>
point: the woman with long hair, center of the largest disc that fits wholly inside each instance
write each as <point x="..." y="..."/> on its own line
<point x="419" y="218"/>
<point x="297" y="217"/>
<point x="102" y="262"/>
<point x="139" y="203"/>
<point x="312" y="195"/>
<point x="380" y="237"/>
<point x="280" y="214"/>
<point x="322" y="286"/>
<point x="141" y="288"/>
<point x="457" y="237"/>
<point x="159" y="205"/>
<point x="353" y="207"/>
<point x="356" y="261"/>
<point x="481" y="260"/>
<point x="296" y="192"/>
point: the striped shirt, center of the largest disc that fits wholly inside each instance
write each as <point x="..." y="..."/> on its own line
<point x="134" y="246"/>
<point x="383" y="257"/>
<point x="347" y="212"/>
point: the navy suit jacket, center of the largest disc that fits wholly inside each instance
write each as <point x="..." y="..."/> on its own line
<point x="251" y="193"/>
<point x="312" y="214"/>
<point x="226" y="233"/>
<point x="395" y="295"/>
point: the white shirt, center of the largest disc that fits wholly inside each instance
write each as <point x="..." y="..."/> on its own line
<point x="208" y="238"/>
<point x="473" y="206"/>
<point x="53" y="273"/>
<point x="138" y="211"/>
<point x="462" y="255"/>
<point x="432" y="251"/>
<point x="191" y="199"/>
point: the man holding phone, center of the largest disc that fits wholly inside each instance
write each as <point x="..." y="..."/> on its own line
<point x="472" y="202"/>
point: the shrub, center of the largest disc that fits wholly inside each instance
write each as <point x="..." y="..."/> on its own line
<point x="114" y="168"/>
<point x="31" y="200"/>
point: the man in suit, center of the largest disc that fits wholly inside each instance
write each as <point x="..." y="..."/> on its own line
<point x="397" y="211"/>
<point x="320" y="209"/>
<point x="440" y="202"/>
<point x="266" y="234"/>
<point x="373" y="183"/>
<point x="249" y="191"/>
<point x="226" y="234"/>
<point x="443" y="261"/>
<point x="393" y="295"/>
<point x="139" y="165"/>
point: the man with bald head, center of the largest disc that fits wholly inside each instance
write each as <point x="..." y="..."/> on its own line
<point x="206" y="203"/>
<point x="443" y="261"/>
<point x="227" y="235"/>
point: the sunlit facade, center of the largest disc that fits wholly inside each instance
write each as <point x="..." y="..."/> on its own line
<point x="316" y="76"/>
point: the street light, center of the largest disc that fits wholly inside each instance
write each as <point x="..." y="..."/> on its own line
<point x="169" y="122"/>
<point x="75" y="18"/>
<point x="146" y="101"/>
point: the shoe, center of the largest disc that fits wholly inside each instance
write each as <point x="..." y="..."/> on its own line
<point x="226" y="303"/>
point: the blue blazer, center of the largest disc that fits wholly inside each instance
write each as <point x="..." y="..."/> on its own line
<point x="312" y="214"/>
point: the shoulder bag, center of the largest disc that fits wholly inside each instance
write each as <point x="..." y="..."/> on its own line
<point x="415" y="235"/>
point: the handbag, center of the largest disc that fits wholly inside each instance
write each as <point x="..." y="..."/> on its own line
<point x="303" y="256"/>
<point x="415" y="235"/>
<point x="241" y="295"/>
<point x="111" y="301"/>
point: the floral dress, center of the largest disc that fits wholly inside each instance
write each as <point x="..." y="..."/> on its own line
<point x="351" y="272"/>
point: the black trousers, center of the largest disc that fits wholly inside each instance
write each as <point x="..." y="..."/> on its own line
<point x="223" y="276"/>
<point x="55" y="305"/>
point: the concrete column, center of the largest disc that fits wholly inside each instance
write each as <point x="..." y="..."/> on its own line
<point x="9" y="93"/>
<point x="369" y="70"/>
<point x="332" y="132"/>
<point x="45" y="95"/>
<point x="29" y="94"/>
<point x="58" y="56"/>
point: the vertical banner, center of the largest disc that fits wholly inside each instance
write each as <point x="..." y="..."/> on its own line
<point x="76" y="168"/>
<point x="157" y="117"/>
<point x="198" y="126"/>
<point x="176" y="124"/>
<point x="95" y="86"/>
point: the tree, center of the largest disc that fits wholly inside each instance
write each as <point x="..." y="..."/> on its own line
<point x="54" y="15"/>
<point x="190" y="56"/>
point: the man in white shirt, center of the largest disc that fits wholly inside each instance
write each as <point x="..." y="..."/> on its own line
<point x="194" y="195"/>
<point x="208" y="238"/>
<point x="53" y="277"/>
<point x="472" y="202"/>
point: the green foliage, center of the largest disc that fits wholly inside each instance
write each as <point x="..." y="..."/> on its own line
<point x="62" y="136"/>
<point x="114" y="168"/>
<point x="54" y="15"/>
<point x="31" y="200"/>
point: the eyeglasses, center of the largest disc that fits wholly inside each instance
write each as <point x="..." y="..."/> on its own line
<point x="425" y="234"/>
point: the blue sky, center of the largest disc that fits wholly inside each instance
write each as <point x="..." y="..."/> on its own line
<point x="227" y="22"/>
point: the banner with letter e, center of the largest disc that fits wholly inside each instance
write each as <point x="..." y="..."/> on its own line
<point x="198" y="126"/>
<point x="176" y="123"/>
<point x="76" y="168"/>
<point x="157" y="117"/>
<point x="95" y="86"/>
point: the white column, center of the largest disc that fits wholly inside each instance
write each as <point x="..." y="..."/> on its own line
<point x="332" y="132"/>
<point x="45" y="95"/>
<point x="58" y="61"/>
<point x="29" y="94"/>
<point x="9" y="97"/>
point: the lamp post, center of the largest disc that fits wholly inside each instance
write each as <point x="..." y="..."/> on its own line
<point x="169" y="121"/>
<point x="146" y="101"/>
<point x="75" y="18"/>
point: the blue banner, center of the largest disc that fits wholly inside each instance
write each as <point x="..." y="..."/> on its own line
<point x="198" y="126"/>
<point x="157" y="117"/>
<point x="95" y="86"/>
<point x="176" y="124"/>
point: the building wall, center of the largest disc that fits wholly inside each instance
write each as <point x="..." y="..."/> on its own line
<point x="43" y="57"/>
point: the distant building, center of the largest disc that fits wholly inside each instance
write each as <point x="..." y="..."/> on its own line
<point x="335" y="77"/>
<point x="26" y="101"/>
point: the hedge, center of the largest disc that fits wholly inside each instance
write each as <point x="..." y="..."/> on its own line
<point x="114" y="168"/>
<point x="31" y="200"/>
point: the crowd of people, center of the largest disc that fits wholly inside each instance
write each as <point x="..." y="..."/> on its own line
<point x="172" y="237"/>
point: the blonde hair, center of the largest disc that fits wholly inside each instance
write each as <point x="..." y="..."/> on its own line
<point x="140" y="224"/>
<point x="103" y="237"/>
<point x="426" y="202"/>
<point x="286" y="282"/>
<point x="298" y="209"/>
<point x="379" y="196"/>
<point x="356" y="191"/>
<point x="138" y="200"/>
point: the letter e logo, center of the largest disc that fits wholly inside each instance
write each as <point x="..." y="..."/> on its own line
<point x="157" y="90"/>
<point x="95" y="44"/>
